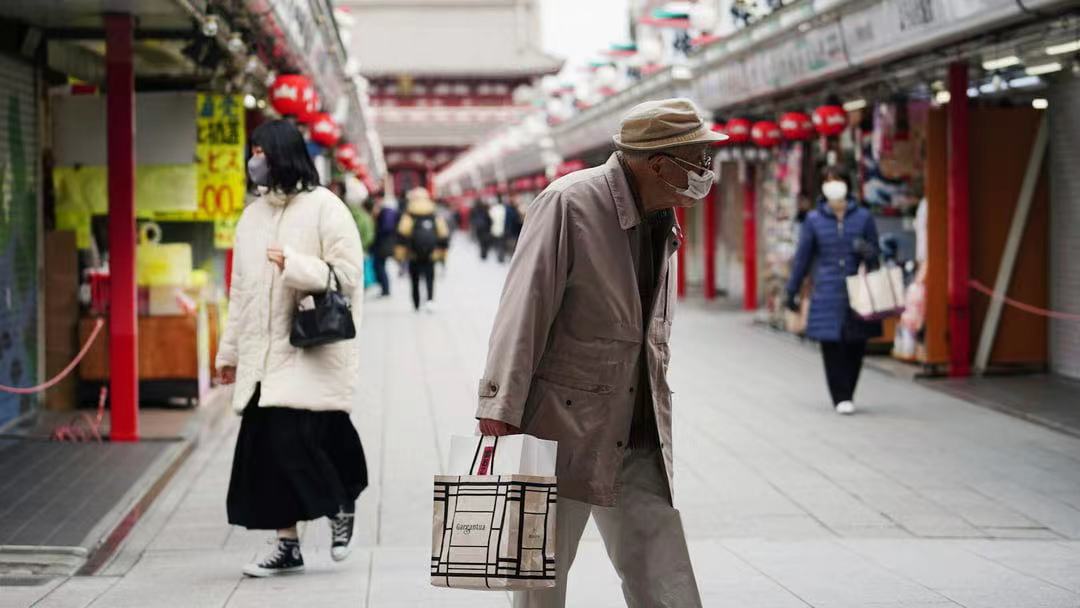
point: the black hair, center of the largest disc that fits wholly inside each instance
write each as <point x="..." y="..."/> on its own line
<point x="291" y="167"/>
<point x="833" y="173"/>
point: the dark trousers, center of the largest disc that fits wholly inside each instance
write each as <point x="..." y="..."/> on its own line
<point x="425" y="269"/>
<point x="843" y="362"/>
<point x="380" y="274"/>
<point x="485" y="245"/>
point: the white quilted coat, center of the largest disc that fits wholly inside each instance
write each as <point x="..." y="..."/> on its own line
<point x="314" y="228"/>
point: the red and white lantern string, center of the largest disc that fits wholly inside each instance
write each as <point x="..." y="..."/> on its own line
<point x="830" y="120"/>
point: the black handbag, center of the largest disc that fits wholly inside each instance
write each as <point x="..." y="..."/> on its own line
<point x="328" y="322"/>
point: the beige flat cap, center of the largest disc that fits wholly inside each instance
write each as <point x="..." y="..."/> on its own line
<point x="666" y="123"/>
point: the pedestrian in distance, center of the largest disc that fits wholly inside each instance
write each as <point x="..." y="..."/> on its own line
<point x="835" y="239"/>
<point x="298" y="456"/>
<point x="579" y="350"/>
<point x="423" y="238"/>
<point x="498" y="215"/>
<point x="513" y="225"/>
<point x="386" y="221"/>
<point x="480" y="220"/>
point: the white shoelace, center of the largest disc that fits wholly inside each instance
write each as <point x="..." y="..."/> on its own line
<point x="281" y="551"/>
<point x="341" y="526"/>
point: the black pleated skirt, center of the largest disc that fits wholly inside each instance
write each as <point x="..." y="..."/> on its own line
<point x="293" y="465"/>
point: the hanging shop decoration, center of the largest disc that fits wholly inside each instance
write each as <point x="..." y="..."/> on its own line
<point x="290" y="94"/>
<point x="765" y="133"/>
<point x="830" y="120"/>
<point x="738" y="130"/>
<point x="796" y="126"/>
<point x="310" y="112"/>
<point x="324" y="131"/>
<point x="347" y="156"/>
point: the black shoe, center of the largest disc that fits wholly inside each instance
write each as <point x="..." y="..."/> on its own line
<point x="341" y="531"/>
<point x="283" y="559"/>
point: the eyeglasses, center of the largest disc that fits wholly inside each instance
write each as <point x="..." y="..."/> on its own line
<point x="705" y="162"/>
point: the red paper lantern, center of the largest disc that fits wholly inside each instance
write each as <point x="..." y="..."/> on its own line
<point x="290" y="93"/>
<point x="796" y="126"/>
<point x="324" y="131"/>
<point x="347" y="156"/>
<point x="738" y="130"/>
<point x="830" y="120"/>
<point x="765" y="133"/>
<point x="310" y="112"/>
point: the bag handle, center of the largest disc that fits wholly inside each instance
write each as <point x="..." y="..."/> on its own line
<point x="484" y="459"/>
<point x="332" y="277"/>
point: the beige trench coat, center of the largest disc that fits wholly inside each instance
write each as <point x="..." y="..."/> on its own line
<point x="563" y="355"/>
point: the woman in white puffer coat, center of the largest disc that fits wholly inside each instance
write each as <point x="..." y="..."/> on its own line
<point x="298" y="456"/>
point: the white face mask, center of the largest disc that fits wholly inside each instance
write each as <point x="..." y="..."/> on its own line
<point x="834" y="190"/>
<point x="697" y="184"/>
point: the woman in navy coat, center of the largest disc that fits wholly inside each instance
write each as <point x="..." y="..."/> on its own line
<point x="838" y="236"/>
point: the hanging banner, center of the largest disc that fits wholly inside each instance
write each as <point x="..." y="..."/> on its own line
<point x="220" y="153"/>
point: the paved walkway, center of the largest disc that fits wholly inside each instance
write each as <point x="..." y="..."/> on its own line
<point x="920" y="500"/>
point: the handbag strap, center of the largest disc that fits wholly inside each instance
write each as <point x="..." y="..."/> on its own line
<point x="331" y="277"/>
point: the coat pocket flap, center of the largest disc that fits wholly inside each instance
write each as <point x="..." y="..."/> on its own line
<point x="618" y="331"/>
<point x="488" y="388"/>
<point x="574" y="382"/>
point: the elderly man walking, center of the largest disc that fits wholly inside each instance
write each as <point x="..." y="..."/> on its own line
<point x="579" y="351"/>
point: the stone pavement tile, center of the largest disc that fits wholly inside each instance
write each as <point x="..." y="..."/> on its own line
<point x="178" y="579"/>
<point x="1051" y="513"/>
<point x="978" y="509"/>
<point x="1033" y="533"/>
<point x="726" y="580"/>
<point x="210" y="535"/>
<point x="961" y="575"/>
<point x="323" y="583"/>
<point x="19" y="596"/>
<point x="705" y="524"/>
<point x="77" y="592"/>
<point x="400" y="578"/>
<point x="1057" y="563"/>
<point x="827" y="572"/>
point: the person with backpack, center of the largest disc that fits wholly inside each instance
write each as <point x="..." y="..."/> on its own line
<point x="423" y="237"/>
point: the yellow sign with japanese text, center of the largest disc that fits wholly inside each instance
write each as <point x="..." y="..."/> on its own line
<point x="220" y="150"/>
<point x="221" y="172"/>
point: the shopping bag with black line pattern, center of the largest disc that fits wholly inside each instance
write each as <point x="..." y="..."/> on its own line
<point x="493" y="520"/>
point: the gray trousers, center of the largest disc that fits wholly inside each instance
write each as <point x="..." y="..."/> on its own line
<point x="644" y="538"/>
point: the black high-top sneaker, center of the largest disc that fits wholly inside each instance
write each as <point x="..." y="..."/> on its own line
<point x="341" y="531"/>
<point x="285" y="558"/>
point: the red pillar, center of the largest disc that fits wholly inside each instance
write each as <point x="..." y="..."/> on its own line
<point x="959" y="245"/>
<point x="123" y="321"/>
<point x="750" y="240"/>
<point x="711" y="204"/>
<point x="680" y="277"/>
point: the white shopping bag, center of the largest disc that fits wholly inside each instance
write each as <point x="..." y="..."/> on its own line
<point x="493" y="520"/>
<point x="877" y="295"/>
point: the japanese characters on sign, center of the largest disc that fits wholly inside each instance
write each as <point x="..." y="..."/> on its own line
<point x="221" y="163"/>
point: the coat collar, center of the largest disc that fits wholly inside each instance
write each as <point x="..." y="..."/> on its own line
<point x="622" y="193"/>
<point x="823" y="206"/>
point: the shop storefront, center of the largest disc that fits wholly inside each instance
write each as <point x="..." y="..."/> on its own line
<point x="124" y="173"/>
<point x="20" y="229"/>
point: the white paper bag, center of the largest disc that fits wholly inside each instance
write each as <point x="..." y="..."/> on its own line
<point x="493" y="520"/>
<point x="877" y="295"/>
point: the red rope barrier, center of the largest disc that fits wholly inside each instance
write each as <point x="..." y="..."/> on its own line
<point x="1028" y="308"/>
<point x="63" y="374"/>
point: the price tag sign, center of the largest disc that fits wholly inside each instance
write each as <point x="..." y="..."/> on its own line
<point x="221" y="164"/>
